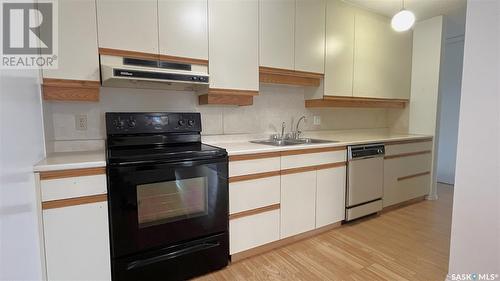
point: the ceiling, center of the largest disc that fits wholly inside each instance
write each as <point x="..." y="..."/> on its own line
<point x="423" y="9"/>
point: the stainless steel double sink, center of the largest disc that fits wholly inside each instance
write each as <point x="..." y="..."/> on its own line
<point x="287" y="142"/>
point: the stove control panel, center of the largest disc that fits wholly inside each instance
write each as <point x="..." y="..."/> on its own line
<point x="152" y="122"/>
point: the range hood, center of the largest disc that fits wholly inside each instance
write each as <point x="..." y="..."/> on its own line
<point x="126" y="72"/>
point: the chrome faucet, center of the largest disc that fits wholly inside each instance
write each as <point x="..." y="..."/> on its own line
<point x="297" y="132"/>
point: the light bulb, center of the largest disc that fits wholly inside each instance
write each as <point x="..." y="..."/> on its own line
<point x="403" y="20"/>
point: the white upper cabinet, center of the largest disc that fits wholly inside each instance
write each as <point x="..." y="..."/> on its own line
<point x="399" y="64"/>
<point x="130" y="25"/>
<point x="77" y="58"/>
<point x="339" y="59"/>
<point x="277" y="28"/>
<point x="234" y="44"/>
<point x="310" y="35"/>
<point x="382" y="58"/>
<point x="183" y="28"/>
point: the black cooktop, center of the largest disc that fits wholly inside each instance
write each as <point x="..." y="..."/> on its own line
<point x="163" y="153"/>
<point x="152" y="137"/>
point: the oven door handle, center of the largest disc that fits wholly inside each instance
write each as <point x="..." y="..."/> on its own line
<point x="171" y="255"/>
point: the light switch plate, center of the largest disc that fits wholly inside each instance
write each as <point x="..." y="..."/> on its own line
<point x="81" y="122"/>
<point x="317" y="120"/>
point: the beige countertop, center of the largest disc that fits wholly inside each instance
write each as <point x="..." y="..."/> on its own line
<point x="234" y="144"/>
<point x="71" y="160"/>
<point x="239" y="147"/>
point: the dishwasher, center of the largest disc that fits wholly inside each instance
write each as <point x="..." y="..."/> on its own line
<point x="365" y="180"/>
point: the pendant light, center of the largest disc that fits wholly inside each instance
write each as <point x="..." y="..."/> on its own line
<point x="403" y="20"/>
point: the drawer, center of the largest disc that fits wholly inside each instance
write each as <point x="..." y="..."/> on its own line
<point x="408" y="165"/>
<point x="253" y="231"/>
<point x="253" y="166"/>
<point x="252" y="194"/>
<point x="414" y="187"/>
<point x="312" y="159"/>
<point x="396" y="149"/>
<point x="63" y="188"/>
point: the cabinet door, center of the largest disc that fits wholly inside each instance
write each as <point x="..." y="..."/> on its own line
<point x="382" y="58"/>
<point x="310" y="35"/>
<point x="234" y="44"/>
<point x="78" y="58"/>
<point x="183" y="28"/>
<point x="77" y="242"/>
<point x="371" y="72"/>
<point x="130" y="25"/>
<point x="406" y="178"/>
<point x="330" y="196"/>
<point x="401" y="45"/>
<point x="298" y="200"/>
<point x="276" y="23"/>
<point x="339" y="61"/>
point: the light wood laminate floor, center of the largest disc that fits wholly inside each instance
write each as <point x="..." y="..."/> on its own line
<point x="410" y="243"/>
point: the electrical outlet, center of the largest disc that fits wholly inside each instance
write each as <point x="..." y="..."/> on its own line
<point x="317" y="120"/>
<point x="81" y="122"/>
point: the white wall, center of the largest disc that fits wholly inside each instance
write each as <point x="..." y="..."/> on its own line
<point x="475" y="234"/>
<point x="449" y="94"/>
<point x="21" y="146"/>
<point x="451" y="82"/>
<point x="274" y="105"/>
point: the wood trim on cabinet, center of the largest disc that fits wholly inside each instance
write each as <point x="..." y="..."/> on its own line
<point x="149" y="56"/>
<point x="232" y="92"/>
<point x="312" y="150"/>
<point x="183" y="60"/>
<point x="407" y="154"/>
<point x="288" y="80"/>
<point x="288" y="72"/>
<point x="396" y="142"/>
<point x="70" y="90"/>
<point x="74" y="201"/>
<point x="128" y="54"/>
<point x="282" y="242"/>
<point x="254" y="156"/>
<point x="254" y="211"/>
<point x="289" y="77"/>
<point x="331" y="101"/>
<point x="414" y="176"/>
<point x="50" y="175"/>
<point x="312" y="168"/>
<point x="241" y="100"/>
<point x="254" y="176"/>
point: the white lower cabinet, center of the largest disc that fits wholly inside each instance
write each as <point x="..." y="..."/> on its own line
<point x="253" y="194"/>
<point x="252" y="231"/>
<point x="330" y="196"/>
<point x="406" y="178"/>
<point x="407" y="169"/>
<point x="298" y="203"/>
<point x="77" y="242"/>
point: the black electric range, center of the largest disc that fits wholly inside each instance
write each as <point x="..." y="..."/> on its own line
<point x="168" y="197"/>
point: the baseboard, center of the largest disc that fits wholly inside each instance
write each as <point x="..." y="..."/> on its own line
<point x="403" y="204"/>
<point x="282" y="242"/>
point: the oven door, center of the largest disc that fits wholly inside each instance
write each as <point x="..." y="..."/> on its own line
<point x="156" y="205"/>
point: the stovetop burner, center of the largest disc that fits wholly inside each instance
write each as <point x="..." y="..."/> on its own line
<point x="139" y="138"/>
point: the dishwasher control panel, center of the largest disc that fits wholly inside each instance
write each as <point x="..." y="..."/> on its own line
<point x="365" y="151"/>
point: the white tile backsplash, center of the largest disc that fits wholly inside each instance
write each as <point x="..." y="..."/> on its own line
<point x="274" y="105"/>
